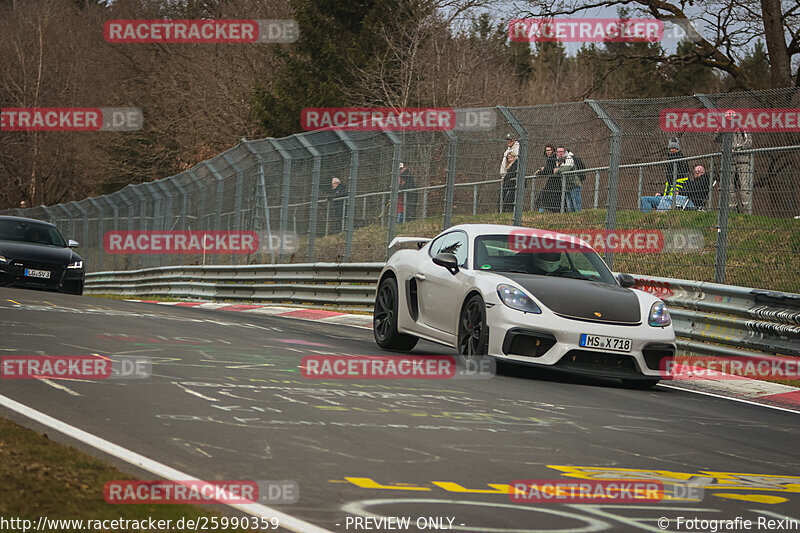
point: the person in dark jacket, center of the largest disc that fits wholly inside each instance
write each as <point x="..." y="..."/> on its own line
<point x="337" y="198"/>
<point x="549" y="198"/>
<point x="698" y="187"/>
<point x="406" y="201"/>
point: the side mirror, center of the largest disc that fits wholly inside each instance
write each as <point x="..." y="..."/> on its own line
<point x="73" y="244"/>
<point x="626" y="280"/>
<point x="448" y="261"/>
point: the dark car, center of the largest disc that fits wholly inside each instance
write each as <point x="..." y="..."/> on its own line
<point x="34" y="255"/>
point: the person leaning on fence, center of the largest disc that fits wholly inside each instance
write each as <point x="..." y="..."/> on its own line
<point x="406" y="201"/>
<point x="549" y="198"/>
<point x="565" y="161"/>
<point x="741" y="173"/>
<point x="512" y="147"/>
<point x="510" y="182"/>
<point x="337" y="198"/>
<point x="677" y="171"/>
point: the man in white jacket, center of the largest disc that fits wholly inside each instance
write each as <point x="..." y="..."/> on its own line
<point x="513" y="148"/>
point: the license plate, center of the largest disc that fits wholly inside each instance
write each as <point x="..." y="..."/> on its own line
<point x="31" y="273"/>
<point x="601" y="342"/>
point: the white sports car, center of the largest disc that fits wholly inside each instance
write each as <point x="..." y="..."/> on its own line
<point x="531" y="296"/>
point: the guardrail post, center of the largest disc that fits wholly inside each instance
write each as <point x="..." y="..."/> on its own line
<point x="450" y="187"/>
<point x="721" y="258"/>
<point x="613" y="172"/>
<point x="394" y="189"/>
<point x="351" y="200"/>
<point x="519" y="201"/>
<point x="285" y="190"/>
<point x="314" y="207"/>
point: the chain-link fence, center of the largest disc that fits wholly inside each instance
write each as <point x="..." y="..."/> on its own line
<point x="282" y="190"/>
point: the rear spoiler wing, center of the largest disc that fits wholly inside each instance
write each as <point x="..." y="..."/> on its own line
<point x="421" y="241"/>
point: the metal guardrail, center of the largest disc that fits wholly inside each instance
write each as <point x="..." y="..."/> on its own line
<point x="709" y="318"/>
<point x="343" y="285"/>
<point x="725" y="320"/>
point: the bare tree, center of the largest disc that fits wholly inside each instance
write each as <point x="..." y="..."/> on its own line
<point x="721" y="30"/>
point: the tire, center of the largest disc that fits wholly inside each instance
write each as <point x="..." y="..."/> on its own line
<point x="640" y="384"/>
<point x="473" y="332"/>
<point x="384" y="319"/>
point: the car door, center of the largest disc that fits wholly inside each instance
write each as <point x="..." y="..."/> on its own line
<point x="440" y="291"/>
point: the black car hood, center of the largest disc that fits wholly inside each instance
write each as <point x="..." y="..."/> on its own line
<point x="37" y="253"/>
<point x="584" y="300"/>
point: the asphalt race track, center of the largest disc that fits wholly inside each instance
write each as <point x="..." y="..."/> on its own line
<point x="227" y="401"/>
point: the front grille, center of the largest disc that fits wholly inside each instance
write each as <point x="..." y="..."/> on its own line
<point x="598" y="362"/>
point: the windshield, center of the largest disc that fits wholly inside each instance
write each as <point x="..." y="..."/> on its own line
<point x="33" y="232"/>
<point x="493" y="253"/>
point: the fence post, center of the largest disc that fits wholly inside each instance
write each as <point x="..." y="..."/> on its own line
<point x="725" y="184"/>
<point x="219" y="188"/>
<point x="315" y="179"/>
<point x="519" y="201"/>
<point x="613" y="172"/>
<point x="99" y="246"/>
<point x="285" y="192"/>
<point x="449" y="190"/>
<point x="351" y="199"/>
<point x="115" y="209"/>
<point x="261" y="197"/>
<point x="639" y="194"/>
<point x="237" y="201"/>
<point x="394" y="189"/>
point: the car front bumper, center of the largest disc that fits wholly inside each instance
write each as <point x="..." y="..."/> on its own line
<point x="550" y="340"/>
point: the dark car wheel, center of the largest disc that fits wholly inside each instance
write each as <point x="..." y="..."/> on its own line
<point x="384" y="319"/>
<point x="640" y="384"/>
<point x="473" y="332"/>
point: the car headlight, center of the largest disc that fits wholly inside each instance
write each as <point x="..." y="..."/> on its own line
<point x="76" y="264"/>
<point x="4" y="259"/>
<point x="516" y="299"/>
<point x="659" y="316"/>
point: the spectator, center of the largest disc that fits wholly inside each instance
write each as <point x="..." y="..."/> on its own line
<point x="513" y="148"/>
<point x="23" y="204"/>
<point x="677" y="171"/>
<point x="564" y="163"/>
<point x="406" y="201"/>
<point x="741" y="173"/>
<point x="550" y="196"/>
<point x="337" y="198"/>
<point x="698" y="186"/>
<point x="510" y="182"/>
